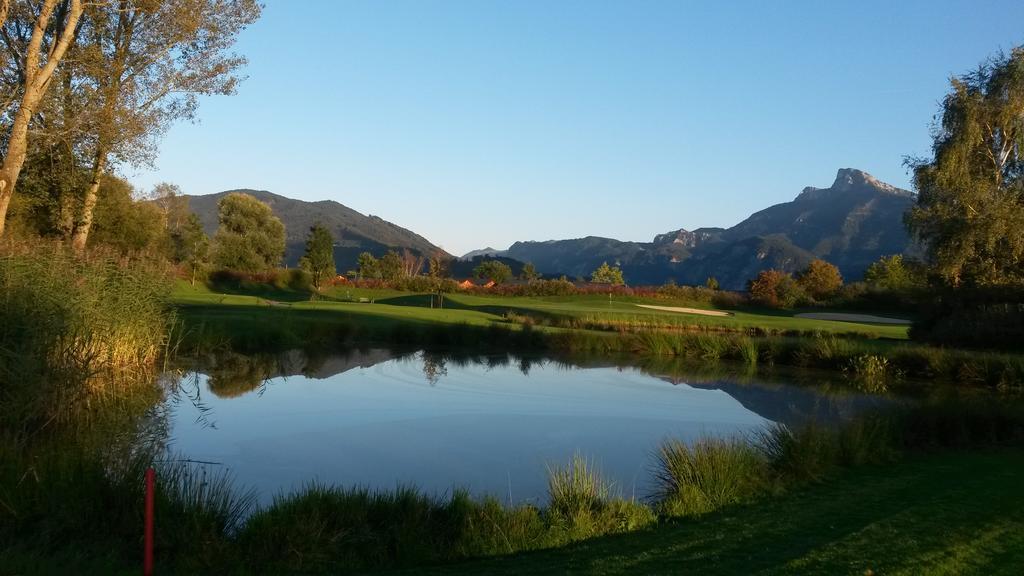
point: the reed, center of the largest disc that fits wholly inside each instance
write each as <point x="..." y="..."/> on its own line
<point x="75" y="326"/>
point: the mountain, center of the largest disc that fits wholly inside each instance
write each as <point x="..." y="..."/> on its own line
<point x="851" y="224"/>
<point x="353" y="232"/>
<point x="489" y="252"/>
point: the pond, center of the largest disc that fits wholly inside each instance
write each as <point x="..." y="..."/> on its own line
<point x="491" y="425"/>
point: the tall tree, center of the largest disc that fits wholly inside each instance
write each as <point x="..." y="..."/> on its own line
<point x="250" y="238"/>
<point x="391" y="266"/>
<point x="191" y="246"/>
<point x="319" y="257"/>
<point x="891" y="273"/>
<point x="438" y="266"/>
<point x="369" y="267"/>
<point x="970" y="204"/>
<point x="145" y="63"/>
<point x="820" y="279"/>
<point x="529" y="272"/>
<point x="39" y="34"/>
<point x="494" y="270"/>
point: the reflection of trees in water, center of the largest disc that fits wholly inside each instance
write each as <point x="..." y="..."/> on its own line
<point x="434" y="367"/>
<point x="785" y="395"/>
<point x="232" y="375"/>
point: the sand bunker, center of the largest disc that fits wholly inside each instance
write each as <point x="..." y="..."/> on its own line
<point x="842" y="317"/>
<point x="687" y="310"/>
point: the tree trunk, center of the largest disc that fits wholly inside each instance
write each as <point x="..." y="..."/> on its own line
<point x="84" y="224"/>
<point x="17" y="148"/>
<point x="36" y="81"/>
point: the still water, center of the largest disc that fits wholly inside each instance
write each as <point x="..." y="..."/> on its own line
<point x="490" y="425"/>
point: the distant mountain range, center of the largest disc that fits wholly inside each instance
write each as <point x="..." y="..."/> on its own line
<point x="353" y="232"/>
<point x="851" y="224"/>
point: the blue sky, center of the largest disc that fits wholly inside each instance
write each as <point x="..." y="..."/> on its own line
<point x="480" y="123"/>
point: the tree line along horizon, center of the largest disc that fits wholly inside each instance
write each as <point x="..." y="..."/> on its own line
<point x="91" y="87"/>
<point x="250" y="243"/>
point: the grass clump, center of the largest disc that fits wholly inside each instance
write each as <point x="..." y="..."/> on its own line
<point x="582" y="503"/>
<point x="707" y="475"/>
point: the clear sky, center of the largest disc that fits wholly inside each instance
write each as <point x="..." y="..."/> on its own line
<point x="479" y="123"/>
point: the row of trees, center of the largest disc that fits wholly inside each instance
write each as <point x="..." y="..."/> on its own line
<point x="821" y="282"/>
<point x="91" y="86"/>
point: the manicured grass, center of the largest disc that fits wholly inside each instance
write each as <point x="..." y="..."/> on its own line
<point x="566" y="311"/>
<point x="953" y="513"/>
<point x="625" y="310"/>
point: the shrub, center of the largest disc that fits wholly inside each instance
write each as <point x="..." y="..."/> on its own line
<point x="775" y="289"/>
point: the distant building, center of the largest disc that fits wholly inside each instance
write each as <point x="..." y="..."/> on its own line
<point x="475" y="283"/>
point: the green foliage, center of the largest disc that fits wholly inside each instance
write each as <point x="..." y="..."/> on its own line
<point x="438" y="267"/>
<point x="391" y="266"/>
<point x="891" y="273"/>
<point x="820" y="280"/>
<point x="369" y="267"/>
<point x="606" y="274"/>
<point x="123" y="223"/>
<point x="250" y="238"/>
<point x="712" y="283"/>
<point x="970" y="204"/>
<point x="494" y="270"/>
<point x="191" y="246"/>
<point x="319" y="258"/>
<point x="529" y="272"/>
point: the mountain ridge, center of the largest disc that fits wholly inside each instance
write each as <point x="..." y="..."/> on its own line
<point x="851" y="223"/>
<point x="353" y="231"/>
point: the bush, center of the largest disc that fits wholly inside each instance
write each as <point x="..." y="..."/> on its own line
<point x="775" y="289"/>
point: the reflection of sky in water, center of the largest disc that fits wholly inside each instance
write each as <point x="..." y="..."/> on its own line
<point x="491" y="430"/>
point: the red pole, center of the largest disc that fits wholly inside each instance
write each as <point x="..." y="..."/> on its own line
<point x="147" y="559"/>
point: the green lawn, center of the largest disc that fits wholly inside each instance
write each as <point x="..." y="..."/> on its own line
<point x="942" y="514"/>
<point x="480" y="310"/>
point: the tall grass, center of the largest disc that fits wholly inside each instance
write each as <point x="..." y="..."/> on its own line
<point x="707" y="475"/>
<point x="208" y="526"/>
<point x="69" y="321"/>
<point x="582" y="503"/>
<point x="693" y="479"/>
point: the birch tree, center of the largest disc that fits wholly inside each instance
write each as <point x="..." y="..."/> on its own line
<point x="147" y="62"/>
<point x="970" y="204"/>
<point x="46" y="29"/>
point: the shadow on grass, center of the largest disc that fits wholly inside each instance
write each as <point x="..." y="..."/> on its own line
<point x="424" y="301"/>
<point x="911" y="517"/>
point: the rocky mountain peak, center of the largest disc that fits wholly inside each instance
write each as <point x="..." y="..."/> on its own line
<point x="851" y="180"/>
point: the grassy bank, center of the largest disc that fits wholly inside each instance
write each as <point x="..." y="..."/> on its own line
<point x="207" y="526"/>
<point x="249" y="324"/>
<point x="953" y="513"/>
<point x="591" y="312"/>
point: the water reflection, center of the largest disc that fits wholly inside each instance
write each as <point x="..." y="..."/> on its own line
<point x="488" y="423"/>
